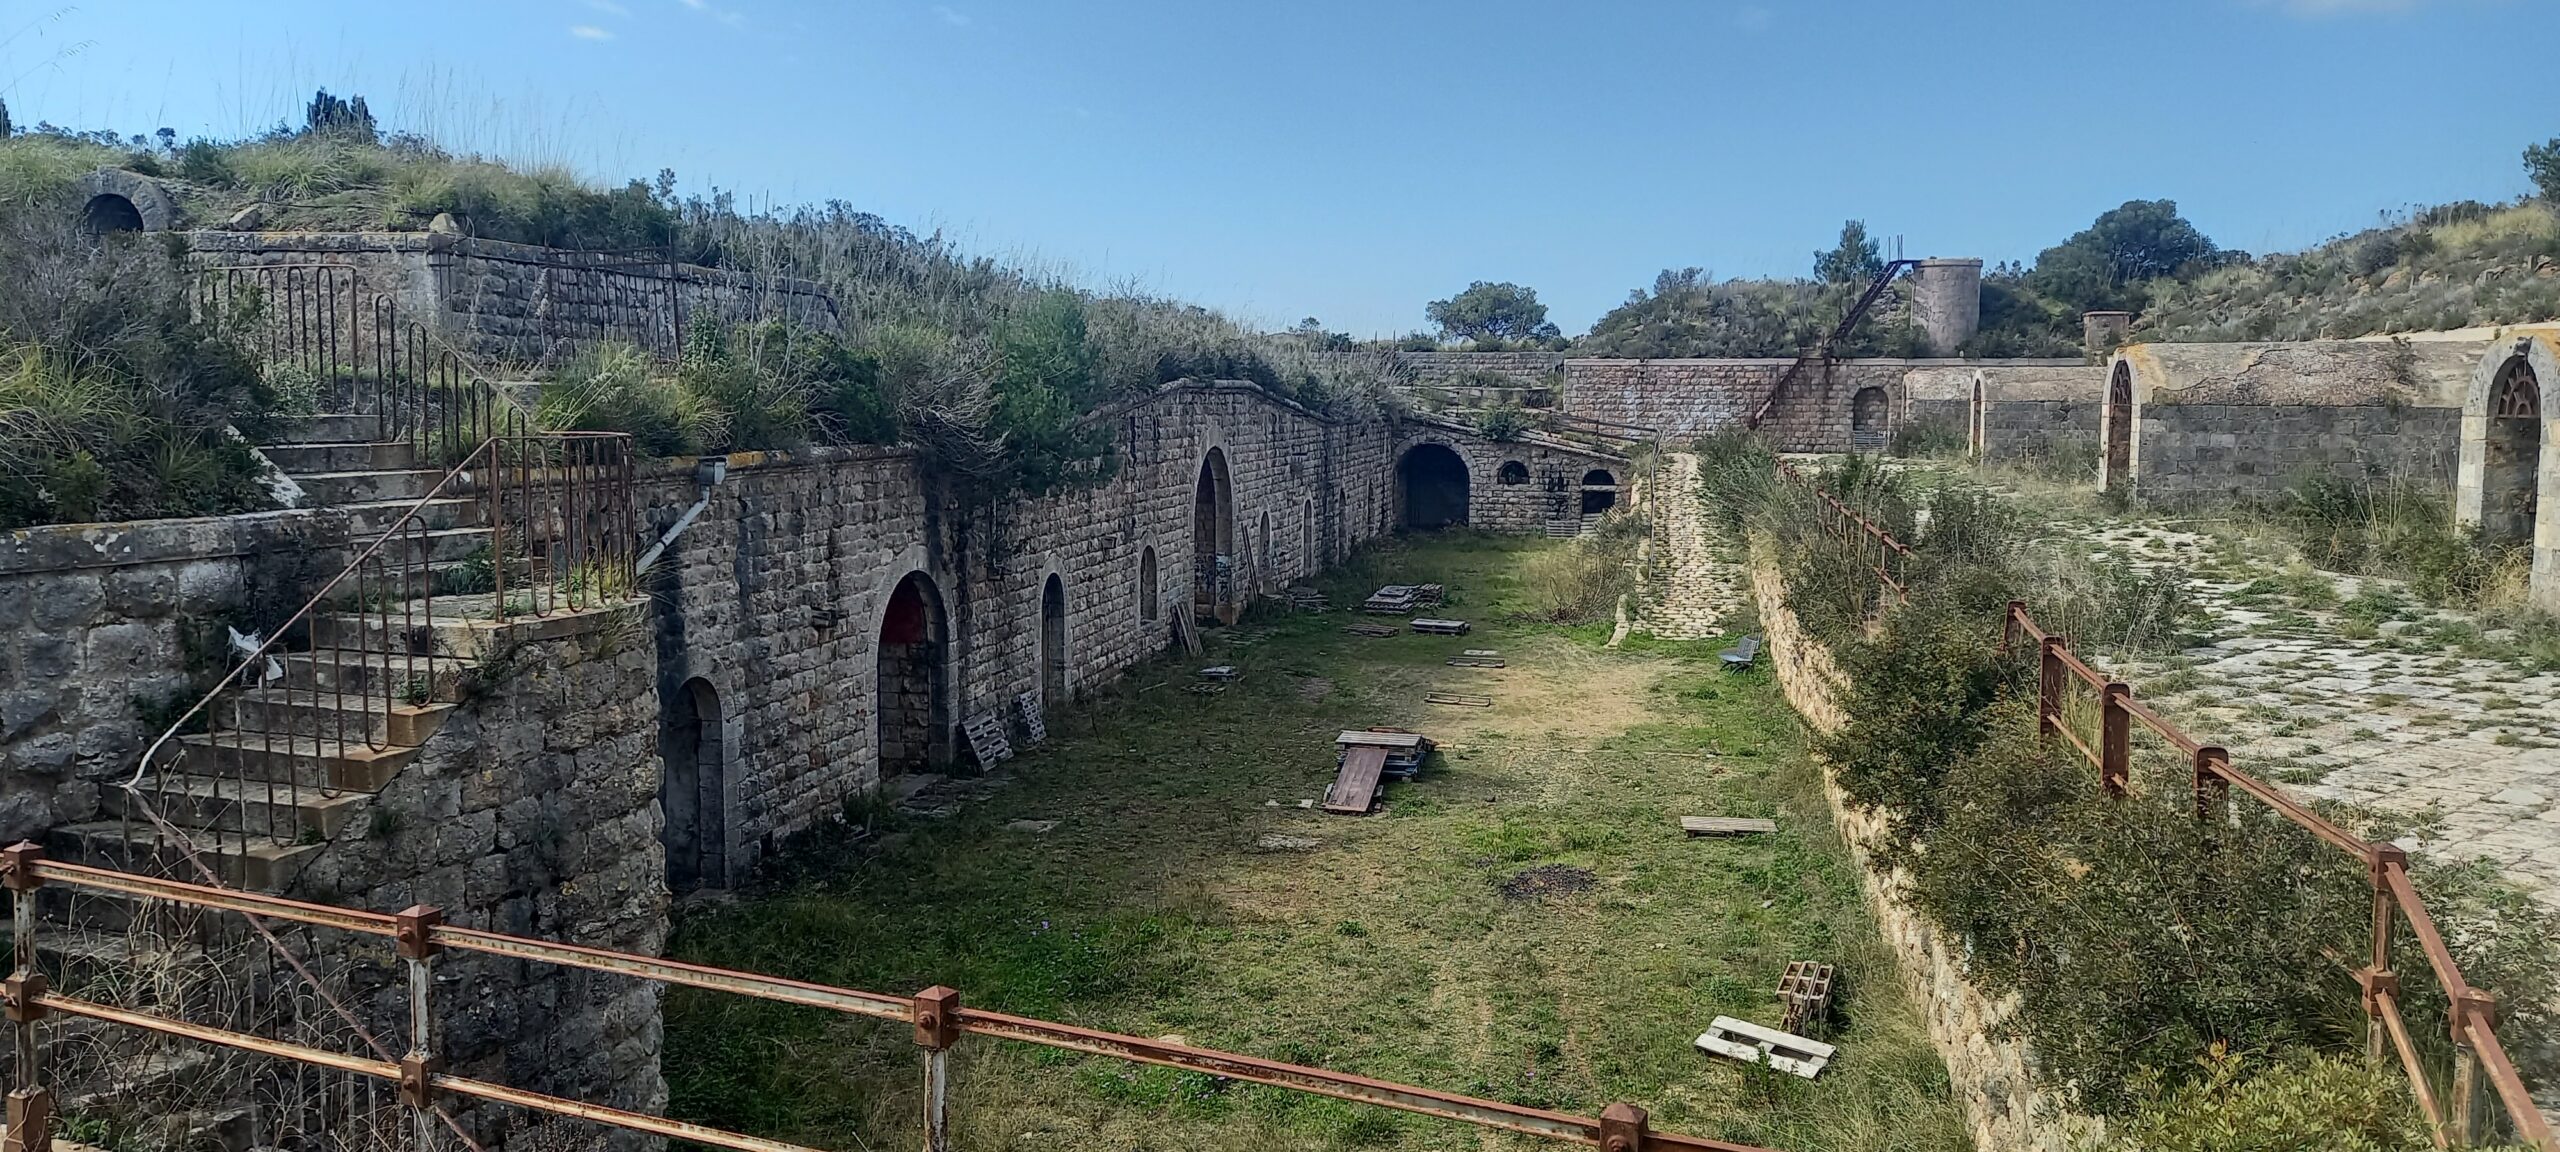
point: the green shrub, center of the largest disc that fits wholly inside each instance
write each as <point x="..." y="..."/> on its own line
<point x="2300" y="1104"/>
<point x="1505" y="423"/>
<point x="1934" y="437"/>
<point x="619" y="388"/>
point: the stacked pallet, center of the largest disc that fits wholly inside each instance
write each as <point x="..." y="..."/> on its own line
<point x="1392" y="600"/>
<point x="1428" y="595"/>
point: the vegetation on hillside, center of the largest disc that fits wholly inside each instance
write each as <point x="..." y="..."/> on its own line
<point x="115" y="401"/>
<point x="2145" y="946"/>
<point x="1492" y="317"/>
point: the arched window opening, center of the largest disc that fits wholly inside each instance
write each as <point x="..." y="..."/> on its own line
<point x="1512" y="472"/>
<point x="693" y="788"/>
<point x="108" y="212"/>
<point x="1147" y="588"/>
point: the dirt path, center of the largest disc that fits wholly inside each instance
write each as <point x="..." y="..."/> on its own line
<point x="1693" y="589"/>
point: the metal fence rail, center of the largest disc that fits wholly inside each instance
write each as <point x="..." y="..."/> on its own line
<point x="419" y="935"/>
<point x="1883" y="555"/>
<point x="2064" y="679"/>
<point x="2453" y="1119"/>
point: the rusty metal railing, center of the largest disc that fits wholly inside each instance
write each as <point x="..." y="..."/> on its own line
<point x="420" y="935"/>
<point x="2453" y="1119"/>
<point x="1885" y="556"/>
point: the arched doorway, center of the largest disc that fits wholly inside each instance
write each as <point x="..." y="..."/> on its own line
<point x="1434" y="481"/>
<point x="1599" y="491"/>
<point x="1053" y="644"/>
<point x="108" y="212"/>
<point x="1212" y="538"/>
<point x="693" y="788"/>
<point x="913" y="714"/>
<point x="2512" y="464"/>
<point x="1867" y="420"/>
<point x="2119" y="421"/>
<point x="1976" y="420"/>
<point x="1266" y="567"/>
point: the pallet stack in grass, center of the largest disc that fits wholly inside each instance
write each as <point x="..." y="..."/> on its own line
<point x="1308" y="600"/>
<point x="1428" y="595"/>
<point x="1392" y="600"/>
<point x="1440" y="627"/>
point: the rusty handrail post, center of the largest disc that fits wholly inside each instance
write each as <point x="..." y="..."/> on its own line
<point x="2462" y="1112"/>
<point x="2009" y="625"/>
<point x="2049" y="687"/>
<point x="411" y="934"/>
<point x="937" y="1018"/>
<point x="30" y="1102"/>
<point x="2115" y="739"/>
<point x="2377" y="975"/>
<point x="2212" y="791"/>
<point x="1624" y="1128"/>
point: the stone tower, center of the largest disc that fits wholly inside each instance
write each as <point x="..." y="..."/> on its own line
<point x="1946" y="302"/>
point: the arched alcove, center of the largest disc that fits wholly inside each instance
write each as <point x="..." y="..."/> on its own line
<point x="1053" y="644"/>
<point x="912" y="719"/>
<point x="1511" y="472"/>
<point x="693" y="788"/>
<point x="1212" y="538"/>
<point x="1148" y="588"/>
<point x="2511" y="464"/>
<point x="1434" y="480"/>
<point x="1599" y="491"/>
<point x="108" y="212"/>
<point x="1867" y="420"/>
<point x="2119" y="421"/>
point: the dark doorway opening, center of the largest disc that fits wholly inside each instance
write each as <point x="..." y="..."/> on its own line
<point x="2512" y="472"/>
<point x="1599" y="491"/>
<point x="1976" y="420"/>
<point x="1053" y="645"/>
<point x="1434" y="480"/>
<point x="693" y="789"/>
<point x="2119" y="421"/>
<point x="914" y="709"/>
<point x="108" y="212"/>
<point x="1147" y="586"/>
<point x="1212" y="539"/>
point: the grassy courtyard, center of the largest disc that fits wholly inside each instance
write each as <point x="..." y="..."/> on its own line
<point x="1404" y="945"/>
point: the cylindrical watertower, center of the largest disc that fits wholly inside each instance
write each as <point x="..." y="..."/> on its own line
<point x="1946" y="302"/>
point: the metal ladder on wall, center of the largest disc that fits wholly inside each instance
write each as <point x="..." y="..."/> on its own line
<point x="1822" y="352"/>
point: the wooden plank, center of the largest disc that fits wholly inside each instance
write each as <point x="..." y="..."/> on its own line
<point x="1725" y="825"/>
<point x="1477" y="662"/>
<point x="1379" y="739"/>
<point x="1762" y="1033"/>
<point x="1355" y="788"/>
<point x="1460" y="699"/>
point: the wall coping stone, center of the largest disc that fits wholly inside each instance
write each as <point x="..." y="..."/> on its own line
<point x="61" y="547"/>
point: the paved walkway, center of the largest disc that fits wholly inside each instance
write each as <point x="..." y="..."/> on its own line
<point x="2419" y="715"/>
<point x="1693" y="588"/>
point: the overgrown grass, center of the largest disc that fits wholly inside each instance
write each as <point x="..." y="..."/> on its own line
<point x="1388" y="949"/>
<point x="2138" y="939"/>
<point x="2453" y="266"/>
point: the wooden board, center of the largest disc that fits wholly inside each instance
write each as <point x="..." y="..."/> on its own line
<point x="1476" y="662"/>
<point x="1725" y="825"/>
<point x="1374" y="630"/>
<point x="1026" y="707"/>
<point x="987" y="739"/>
<point x="1440" y="627"/>
<point x="1355" y="788"/>
<point x="1353" y="737"/>
<point x="1460" y="699"/>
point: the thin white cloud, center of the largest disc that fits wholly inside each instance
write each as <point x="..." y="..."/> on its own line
<point x="589" y="32"/>
<point x="951" y="16"/>
<point x="609" y="8"/>
<point x="730" y="16"/>
<point x="698" y="5"/>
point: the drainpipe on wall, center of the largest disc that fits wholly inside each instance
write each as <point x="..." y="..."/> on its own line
<point x="708" y="473"/>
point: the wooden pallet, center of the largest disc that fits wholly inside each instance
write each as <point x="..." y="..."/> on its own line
<point x="1458" y="699"/>
<point x="1806" y="992"/>
<point x="1726" y="825"/>
<point x="1209" y="689"/>
<point x="1433" y="627"/>
<point x="1756" y="1044"/>
<point x="1429" y="595"/>
<point x="987" y="739"/>
<point x="1476" y="662"/>
<point x="1026" y="709"/>
<point x="1308" y="600"/>
<point x="1221" y="672"/>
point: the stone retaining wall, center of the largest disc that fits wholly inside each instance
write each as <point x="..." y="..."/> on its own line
<point x="1995" y="1077"/>
<point x="114" y="628"/>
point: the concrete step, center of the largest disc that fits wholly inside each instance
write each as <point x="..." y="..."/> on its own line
<point x="328" y="428"/>
<point x="302" y="760"/>
<point x="413" y="679"/>
<point x="285" y="812"/>
<point x="370" y="518"/>
<point x="332" y="489"/>
<point x="464" y="627"/>
<point x="259" y="864"/>
<point x="346" y="456"/>
<point x="330" y="716"/>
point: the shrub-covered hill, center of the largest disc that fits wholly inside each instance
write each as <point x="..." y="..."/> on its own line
<point x="2455" y="266"/>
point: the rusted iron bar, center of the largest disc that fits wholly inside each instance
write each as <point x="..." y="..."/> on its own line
<point x="224" y="899"/>
<point x="2049" y="684"/>
<point x="749" y="984"/>
<point x="2423" y="927"/>
<point x="2212" y="792"/>
<point x="2115" y="739"/>
<point x="30" y="1107"/>
<point x="937" y="1021"/>
<point x="2529" y="1123"/>
<point x="2185" y="744"/>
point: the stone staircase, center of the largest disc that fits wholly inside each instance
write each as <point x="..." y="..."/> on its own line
<point x="284" y="766"/>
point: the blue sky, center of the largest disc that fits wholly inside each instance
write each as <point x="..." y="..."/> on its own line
<point x="1350" y="161"/>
